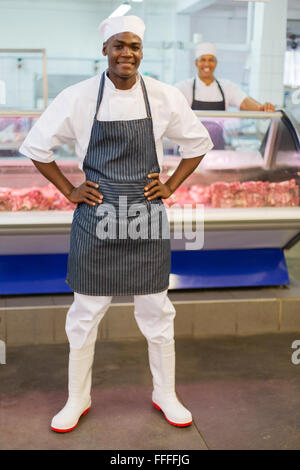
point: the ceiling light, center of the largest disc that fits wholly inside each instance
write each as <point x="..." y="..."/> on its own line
<point x="121" y="10"/>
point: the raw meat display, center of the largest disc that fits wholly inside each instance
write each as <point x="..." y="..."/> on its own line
<point x="236" y="194"/>
<point x="34" y="198"/>
<point x="215" y="195"/>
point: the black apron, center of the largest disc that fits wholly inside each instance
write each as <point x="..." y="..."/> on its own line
<point x="122" y="246"/>
<point x="214" y="128"/>
<point x="208" y="105"/>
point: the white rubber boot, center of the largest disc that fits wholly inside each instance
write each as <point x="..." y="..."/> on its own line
<point x="80" y="380"/>
<point x="162" y="366"/>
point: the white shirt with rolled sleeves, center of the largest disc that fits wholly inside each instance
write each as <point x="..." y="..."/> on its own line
<point x="234" y="96"/>
<point x="70" y="117"/>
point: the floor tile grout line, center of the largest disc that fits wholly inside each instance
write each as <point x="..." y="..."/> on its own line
<point x="194" y="424"/>
<point x="200" y="434"/>
<point x="280" y="316"/>
<point x="176" y="302"/>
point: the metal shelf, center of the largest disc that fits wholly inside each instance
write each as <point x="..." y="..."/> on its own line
<point x="261" y="218"/>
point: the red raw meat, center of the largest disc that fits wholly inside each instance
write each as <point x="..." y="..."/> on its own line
<point x="221" y="195"/>
<point x="255" y="194"/>
<point x="180" y="197"/>
<point x="217" y="195"/>
<point x="284" y="194"/>
<point x="55" y="200"/>
<point x="201" y="194"/>
<point x="5" y="199"/>
<point x="34" y="198"/>
<point x="25" y="199"/>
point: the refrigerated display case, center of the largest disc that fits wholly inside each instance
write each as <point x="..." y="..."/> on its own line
<point x="230" y="220"/>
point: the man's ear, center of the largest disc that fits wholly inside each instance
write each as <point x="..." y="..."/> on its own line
<point x="104" y="48"/>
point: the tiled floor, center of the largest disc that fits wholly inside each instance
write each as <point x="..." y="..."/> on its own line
<point x="40" y="319"/>
<point x="244" y="393"/>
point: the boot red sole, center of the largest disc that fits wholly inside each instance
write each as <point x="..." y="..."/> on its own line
<point x="70" y="429"/>
<point x="180" y="425"/>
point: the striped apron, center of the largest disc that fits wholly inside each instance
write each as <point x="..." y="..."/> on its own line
<point x="122" y="246"/>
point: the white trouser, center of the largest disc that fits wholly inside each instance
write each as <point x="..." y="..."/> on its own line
<point x="154" y="315"/>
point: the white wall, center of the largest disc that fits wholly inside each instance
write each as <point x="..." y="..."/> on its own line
<point x="68" y="32"/>
<point x="67" y="29"/>
<point x="224" y="26"/>
<point x="268" y="51"/>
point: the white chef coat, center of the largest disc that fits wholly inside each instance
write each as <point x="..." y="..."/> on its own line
<point x="70" y="117"/>
<point x="232" y="93"/>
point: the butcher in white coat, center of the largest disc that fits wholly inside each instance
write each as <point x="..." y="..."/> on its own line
<point x="205" y="93"/>
<point x="117" y="122"/>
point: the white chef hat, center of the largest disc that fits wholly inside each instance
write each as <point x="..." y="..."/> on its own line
<point x="205" y="48"/>
<point x="121" y="24"/>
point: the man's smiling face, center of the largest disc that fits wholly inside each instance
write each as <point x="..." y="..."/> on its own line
<point x="206" y="65"/>
<point x="124" y="52"/>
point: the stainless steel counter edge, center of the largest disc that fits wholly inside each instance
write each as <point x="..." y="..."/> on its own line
<point x="59" y="222"/>
<point x="245" y="114"/>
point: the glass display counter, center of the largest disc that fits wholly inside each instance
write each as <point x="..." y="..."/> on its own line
<point x="247" y="187"/>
